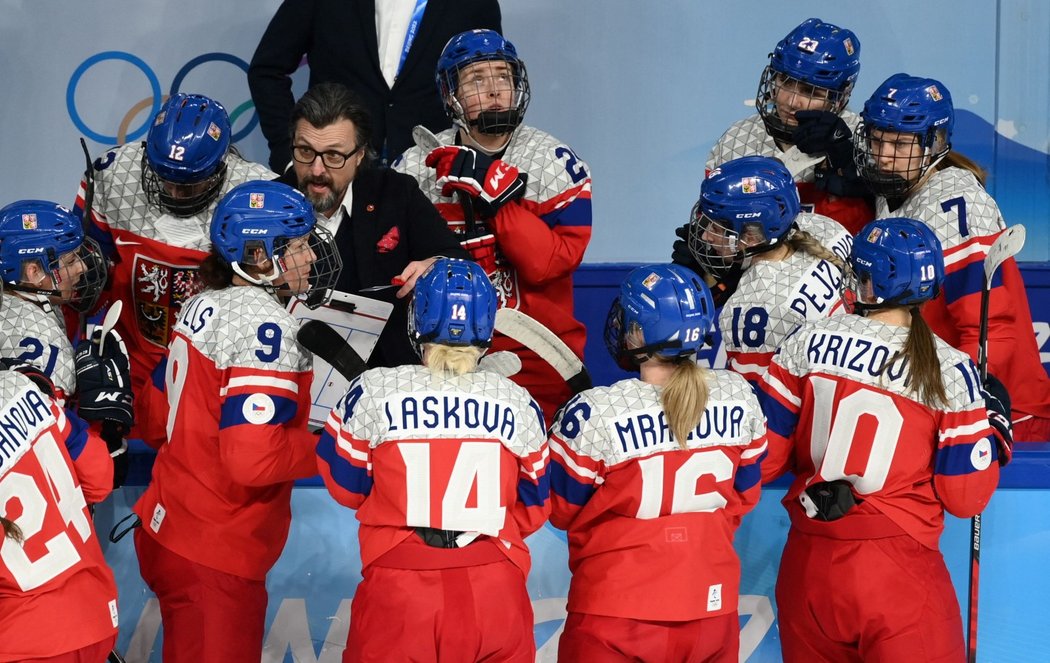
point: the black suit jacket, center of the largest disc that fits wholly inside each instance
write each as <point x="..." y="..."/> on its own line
<point x="339" y="39"/>
<point x="384" y="200"/>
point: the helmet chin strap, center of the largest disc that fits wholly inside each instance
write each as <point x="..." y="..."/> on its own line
<point x="468" y="133"/>
<point x="263" y="280"/>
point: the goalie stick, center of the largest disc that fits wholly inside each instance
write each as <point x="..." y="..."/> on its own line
<point x="1008" y="244"/>
<point x="546" y="344"/>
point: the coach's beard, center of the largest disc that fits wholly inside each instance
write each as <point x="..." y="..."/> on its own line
<point x="323" y="203"/>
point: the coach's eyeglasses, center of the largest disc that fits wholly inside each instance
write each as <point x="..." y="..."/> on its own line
<point x="331" y="158"/>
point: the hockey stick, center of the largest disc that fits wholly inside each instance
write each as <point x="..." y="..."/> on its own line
<point x="546" y="344"/>
<point x="89" y="187"/>
<point x="1008" y="244"/>
<point x="326" y="343"/>
<point x="425" y="139"/>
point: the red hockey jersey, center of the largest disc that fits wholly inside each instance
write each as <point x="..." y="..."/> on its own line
<point x="838" y="409"/>
<point x="967" y="221"/>
<point x="540" y="241"/>
<point x="410" y="450"/>
<point x="650" y="524"/>
<point x="56" y="592"/>
<point x="154" y="256"/>
<point x="237" y="387"/>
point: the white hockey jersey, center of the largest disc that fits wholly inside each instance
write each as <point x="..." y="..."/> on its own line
<point x="773" y="299"/>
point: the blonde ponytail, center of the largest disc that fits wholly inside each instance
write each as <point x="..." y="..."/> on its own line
<point x="449" y="360"/>
<point x="684" y="398"/>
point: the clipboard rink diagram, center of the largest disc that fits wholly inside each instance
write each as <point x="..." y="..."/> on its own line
<point x="359" y="320"/>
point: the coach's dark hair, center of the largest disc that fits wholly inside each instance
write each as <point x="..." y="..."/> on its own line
<point x="327" y="103"/>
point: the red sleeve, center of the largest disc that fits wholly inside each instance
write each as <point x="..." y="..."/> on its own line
<point x="87" y="450"/>
<point x="263" y="438"/>
<point x="543" y="249"/>
<point x="344" y="461"/>
<point x="575" y="477"/>
<point x="533" y="506"/>
<point x="780" y="395"/>
<point x="966" y="469"/>
<point x="747" y="480"/>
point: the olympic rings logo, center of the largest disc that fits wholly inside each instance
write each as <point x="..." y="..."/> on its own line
<point x="153" y="102"/>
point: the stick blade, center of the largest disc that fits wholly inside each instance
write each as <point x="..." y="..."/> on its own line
<point x="1007" y="245"/>
<point x="425" y="138"/>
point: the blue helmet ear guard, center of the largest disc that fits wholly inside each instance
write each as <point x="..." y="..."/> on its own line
<point x="470" y="47"/>
<point x="820" y="57"/>
<point x="753" y="198"/>
<point x="662" y="310"/>
<point x="186" y="145"/>
<point x="43" y="231"/>
<point x="894" y="262"/>
<point x="904" y="104"/>
<point x="454" y="304"/>
<point x="267" y="215"/>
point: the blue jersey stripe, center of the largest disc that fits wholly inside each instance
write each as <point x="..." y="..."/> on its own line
<point x="233" y="410"/>
<point x="345" y="474"/>
<point x="564" y="485"/>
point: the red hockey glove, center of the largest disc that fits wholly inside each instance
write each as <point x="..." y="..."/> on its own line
<point x="491" y="183"/>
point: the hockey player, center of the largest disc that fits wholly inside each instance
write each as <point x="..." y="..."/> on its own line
<point x="447" y="469"/>
<point x="151" y="208"/>
<point x="526" y="195"/>
<point x="801" y="103"/>
<point x="778" y="267"/>
<point x="237" y="388"/>
<point x="48" y="264"/>
<point x="885" y="427"/>
<point x="58" y="599"/>
<point x="904" y="151"/>
<point x="651" y="477"/>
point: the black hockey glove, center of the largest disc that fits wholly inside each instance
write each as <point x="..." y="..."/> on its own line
<point x="997" y="402"/>
<point x="829" y="500"/>
<point x="104" y="379"/>
<point x="721" y="286"/>
<point x="824" y="132"/>
<point x="680" y="253"/>
<point x="39" y="378"/>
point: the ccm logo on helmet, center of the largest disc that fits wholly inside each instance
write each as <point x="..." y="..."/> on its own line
<point x="749" y="215"/>
<point x="256" y="231"/>
<point x="35" y="250"/>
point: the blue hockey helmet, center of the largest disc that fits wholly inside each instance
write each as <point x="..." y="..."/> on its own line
<point x="903" y="104"/>
<point x="669" y="306"/>
<point x="268" y="216"/>
<point x="48" y="234"/>
<point x="816" y="60"/>
<point x="184" y="161"/>
<point x="746" y="206"/>
<point x="894" y="262"/>
<point x="454" y="304"/>
<point x="470" y="47"/>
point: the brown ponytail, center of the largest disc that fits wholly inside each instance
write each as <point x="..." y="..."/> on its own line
<point x="684" y="398"/>
<point x="800" y="240"/>
<point x="927" y="381"/>
<point x="11" y="530"/>
<point x="959" y="160"/>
